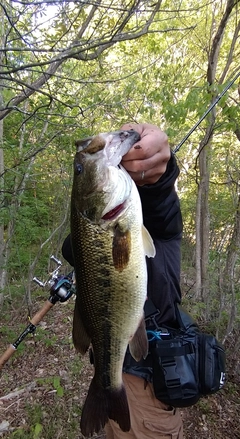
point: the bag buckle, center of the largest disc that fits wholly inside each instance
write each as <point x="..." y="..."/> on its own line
<point x="151" y="320"/>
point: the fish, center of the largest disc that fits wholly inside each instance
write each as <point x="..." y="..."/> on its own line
<point x="110" y="245"/>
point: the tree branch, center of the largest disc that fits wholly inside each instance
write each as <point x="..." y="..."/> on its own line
<point x="81" y="50"/>
<point x="230" y="55"/>
<point x="216" y="44"/>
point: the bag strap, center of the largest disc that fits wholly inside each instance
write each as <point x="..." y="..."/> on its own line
<point x="151" y="313"/>
<point x="172" y="379"/>
<point x="150" y="309"/>
<point x="183" y="318"/>
<point x="168" y="350"/>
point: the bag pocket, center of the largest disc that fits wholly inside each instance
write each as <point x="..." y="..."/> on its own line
<point x="212" y="359"/>
<point x="175" y="379"/>
<point x="187" y="367"/>
<point x="187" y="364"/>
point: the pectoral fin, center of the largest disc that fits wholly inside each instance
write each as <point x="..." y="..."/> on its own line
<point x="121" y="248"/>
<point x="81" y="339"/>
<point x="138" y="345"/>
<point x="148" y="244"/>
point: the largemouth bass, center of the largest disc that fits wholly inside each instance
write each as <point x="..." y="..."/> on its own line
<point x="109" y="246"/>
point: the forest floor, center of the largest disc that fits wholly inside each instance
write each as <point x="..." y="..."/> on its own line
<point x="44" y="384"/>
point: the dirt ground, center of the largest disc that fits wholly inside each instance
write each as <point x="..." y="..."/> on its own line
<point x="44" y="384"/>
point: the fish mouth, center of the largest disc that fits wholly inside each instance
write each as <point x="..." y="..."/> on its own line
<point x="113" y="213"/>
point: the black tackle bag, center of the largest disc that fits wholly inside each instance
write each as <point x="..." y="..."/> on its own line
<point x="187" y="363"/>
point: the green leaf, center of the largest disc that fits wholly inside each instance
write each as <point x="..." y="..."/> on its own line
<point x="37" y="430"/>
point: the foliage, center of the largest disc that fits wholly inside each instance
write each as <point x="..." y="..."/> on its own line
<point x="73" y="69"/>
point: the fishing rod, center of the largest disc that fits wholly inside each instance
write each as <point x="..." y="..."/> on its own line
<point x="61" y="289"/>
<point x="206" y="112"/>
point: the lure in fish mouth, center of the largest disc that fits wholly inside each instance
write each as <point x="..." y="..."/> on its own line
<point x="109" y="245"/>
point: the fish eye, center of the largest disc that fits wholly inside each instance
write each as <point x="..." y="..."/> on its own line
<point x="78" y="169"/>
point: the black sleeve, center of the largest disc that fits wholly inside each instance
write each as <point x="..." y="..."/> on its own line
<point x="162" y="217"/>
<point x="160" y="204"/>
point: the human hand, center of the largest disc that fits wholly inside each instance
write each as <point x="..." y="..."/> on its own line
<point x="147" y="160"/>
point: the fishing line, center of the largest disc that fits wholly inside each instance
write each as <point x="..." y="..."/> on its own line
<point x="206" y="113"/>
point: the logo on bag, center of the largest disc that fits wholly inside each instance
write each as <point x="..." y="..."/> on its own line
<point x="222" y="380"/>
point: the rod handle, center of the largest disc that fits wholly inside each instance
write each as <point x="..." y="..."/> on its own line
<point x="41" y="313"/>
<point x="7" y="354"/>
<point x="34" y="321"/>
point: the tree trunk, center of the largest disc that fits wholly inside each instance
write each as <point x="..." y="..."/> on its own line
<point x="2" y="259"/>
<point x="202" y="218"/>
<point x="229" y="280"/>
<point x="202" y="211"/>
<point x="2" y="246"/>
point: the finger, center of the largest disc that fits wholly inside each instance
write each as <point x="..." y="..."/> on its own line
<point x="148" y="175"/>
<point x="147" y="159"/>
<point x="139" y="127"/>
<point x="150" y="144"/>
<point x="144" y="178"/>
<point x="156" y="162"/>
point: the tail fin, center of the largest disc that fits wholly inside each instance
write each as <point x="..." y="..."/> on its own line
<point x="101" y="405"/>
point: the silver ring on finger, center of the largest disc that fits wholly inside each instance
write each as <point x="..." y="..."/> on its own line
<point x="142" y="175"/>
